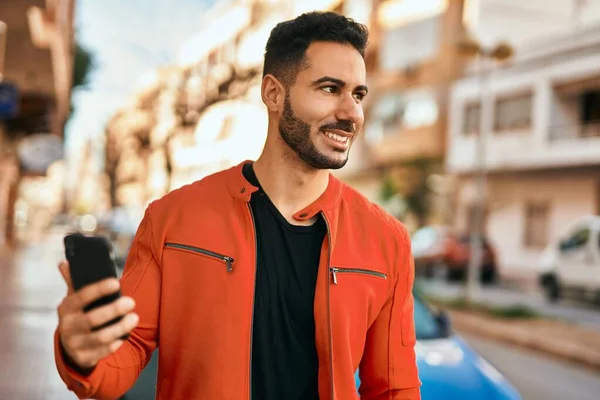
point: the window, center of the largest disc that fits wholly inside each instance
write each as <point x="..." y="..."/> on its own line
<point x="513" y="112"/>
<point x="577" y="240"/>
<point x="388" y="110"/>
<point x="590" y="107"/>
<point x="536" y="224"/>
<point x="426" y="324"/>
<point x="590" y="114"/>
<point x="471" y="118"/>
<point x="406" y="110"/>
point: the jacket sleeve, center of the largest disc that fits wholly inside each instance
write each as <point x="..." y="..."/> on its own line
<point x="388" y="369"/>
<point x="115" y="374"/>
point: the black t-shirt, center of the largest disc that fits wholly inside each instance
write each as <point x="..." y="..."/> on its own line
<point x="284" y="354"/>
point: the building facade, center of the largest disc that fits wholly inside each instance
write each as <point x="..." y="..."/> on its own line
<point x="542" y="143"/>
<point x="36" y="57"/>
<point x="414" y="60"/>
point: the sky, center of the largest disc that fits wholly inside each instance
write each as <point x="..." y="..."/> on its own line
<point x="128" y="40"/>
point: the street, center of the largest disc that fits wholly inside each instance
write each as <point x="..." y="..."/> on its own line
<point x="537" y="376"/>
<point x="31" y="288"/>
<point x="586" y="315"/>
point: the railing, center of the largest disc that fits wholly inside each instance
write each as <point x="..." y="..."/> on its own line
<point x="574" y="131"/>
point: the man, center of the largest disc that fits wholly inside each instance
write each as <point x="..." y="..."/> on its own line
<point x="270" y="280"/>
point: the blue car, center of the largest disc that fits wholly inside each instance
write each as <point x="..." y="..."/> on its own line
<point x="448" y="368"/>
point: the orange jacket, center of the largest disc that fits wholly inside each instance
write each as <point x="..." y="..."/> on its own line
<point x="191" y="271"/>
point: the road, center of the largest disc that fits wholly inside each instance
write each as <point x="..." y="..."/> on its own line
<point x="537" y="376"/>
<point x="31" y="288"/>
<point x="587" y="315"/>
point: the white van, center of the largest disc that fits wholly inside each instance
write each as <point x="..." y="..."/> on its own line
<point x="571" y="265"/>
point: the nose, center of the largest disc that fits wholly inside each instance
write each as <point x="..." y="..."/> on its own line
<point x="350" y="109"/>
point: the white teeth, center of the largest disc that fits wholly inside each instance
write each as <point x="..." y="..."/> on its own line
<point x="337" y="138"/>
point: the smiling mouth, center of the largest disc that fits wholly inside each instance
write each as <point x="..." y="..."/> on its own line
<point x="338" y="138"/>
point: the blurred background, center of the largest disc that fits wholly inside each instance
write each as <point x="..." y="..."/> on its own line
<point x="482" y="135"/>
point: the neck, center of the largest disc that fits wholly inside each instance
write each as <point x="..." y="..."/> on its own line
<point x="289" y="182"/>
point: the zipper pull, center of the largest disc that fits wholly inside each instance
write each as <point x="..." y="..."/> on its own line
<point x="229" y="262"/>
<point x="334" y="274"/>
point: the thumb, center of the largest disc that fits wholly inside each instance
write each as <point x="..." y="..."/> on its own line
<point x="63" y="267"/>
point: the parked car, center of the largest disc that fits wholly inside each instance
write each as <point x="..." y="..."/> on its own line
<point x="449" y="368"/>
<point x="571" y="264"/>
<point x="440" y="248"/>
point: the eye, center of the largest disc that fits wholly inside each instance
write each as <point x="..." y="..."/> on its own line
<point x="330" y="89"/>
<point x="359" y="96"/>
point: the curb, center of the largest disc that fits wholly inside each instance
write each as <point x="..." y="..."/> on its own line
<point x="502" y="331"/>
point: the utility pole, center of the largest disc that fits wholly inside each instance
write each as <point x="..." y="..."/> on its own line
<point x="3" y="33"/>
<point x="485" y="57"/>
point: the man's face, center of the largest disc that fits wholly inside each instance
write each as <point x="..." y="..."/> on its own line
<point x="323" y="109"/>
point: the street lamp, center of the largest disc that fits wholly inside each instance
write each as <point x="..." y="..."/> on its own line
<point x="501" y="52"/>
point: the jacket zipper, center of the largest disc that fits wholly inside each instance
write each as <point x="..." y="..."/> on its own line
<point x="253" y="296"/>
<point x="335" y="271"/>
<point x="226" y="259"/>
<point x="329" y="305"/>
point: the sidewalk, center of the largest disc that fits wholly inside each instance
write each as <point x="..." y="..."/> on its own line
<point x="30" y="289"/>
<point x="556" y="338"/>
<point x="574" y="312"/>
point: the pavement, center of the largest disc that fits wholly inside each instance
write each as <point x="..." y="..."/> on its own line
<point x="30" y="290"/>
<point x="571" y="311"/>
<point x="570" y="331"/>
<point x="567" y="342"/>
<point x="537" y="376"/>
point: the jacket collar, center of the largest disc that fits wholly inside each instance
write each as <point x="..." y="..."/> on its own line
<point x="242" y="190"/>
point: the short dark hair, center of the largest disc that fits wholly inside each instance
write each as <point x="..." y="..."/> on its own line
<point x="286" y="48"/>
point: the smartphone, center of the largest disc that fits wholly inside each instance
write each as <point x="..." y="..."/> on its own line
<point x="90" y="260"/>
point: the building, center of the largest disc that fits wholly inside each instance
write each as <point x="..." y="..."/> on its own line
<point x="193" y="118"/>
<point x="36" y="55"/>
<point x="222" y="135"/>
<point x="413" y="62"/>
<point x="542" y="142"/>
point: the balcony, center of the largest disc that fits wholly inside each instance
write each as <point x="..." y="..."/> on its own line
<point x="408" y="144"/>
<point x="574" y="131"/>
<point x="404" y="125"/>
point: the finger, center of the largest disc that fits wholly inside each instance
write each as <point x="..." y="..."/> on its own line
<point x="95" y="291"/>
<point x="90" y="357"/>
<point x="101" y="352"/>
<point x="63" y="267"/>
<point x="75" y="302"/>
<point x="101" y="315"/>
<point x="106" y="336"/>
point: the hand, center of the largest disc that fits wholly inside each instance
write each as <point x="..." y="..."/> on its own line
<point x="83" y="346"/>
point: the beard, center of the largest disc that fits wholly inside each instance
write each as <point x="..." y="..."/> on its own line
<point x="296" y="134"/>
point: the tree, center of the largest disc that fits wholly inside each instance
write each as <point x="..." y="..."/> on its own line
<point x="409" y="183"/>
<point x="84" y="63"/>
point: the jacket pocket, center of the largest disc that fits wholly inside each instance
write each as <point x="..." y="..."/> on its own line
<point x="335" y="271"/>
<point x="227" y="260"/>
<point x="409" y="335"/>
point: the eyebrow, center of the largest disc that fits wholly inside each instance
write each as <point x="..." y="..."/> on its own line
<point x="338" y="82"/>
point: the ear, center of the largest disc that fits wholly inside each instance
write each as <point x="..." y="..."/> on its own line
<point x="273" y="93"/>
